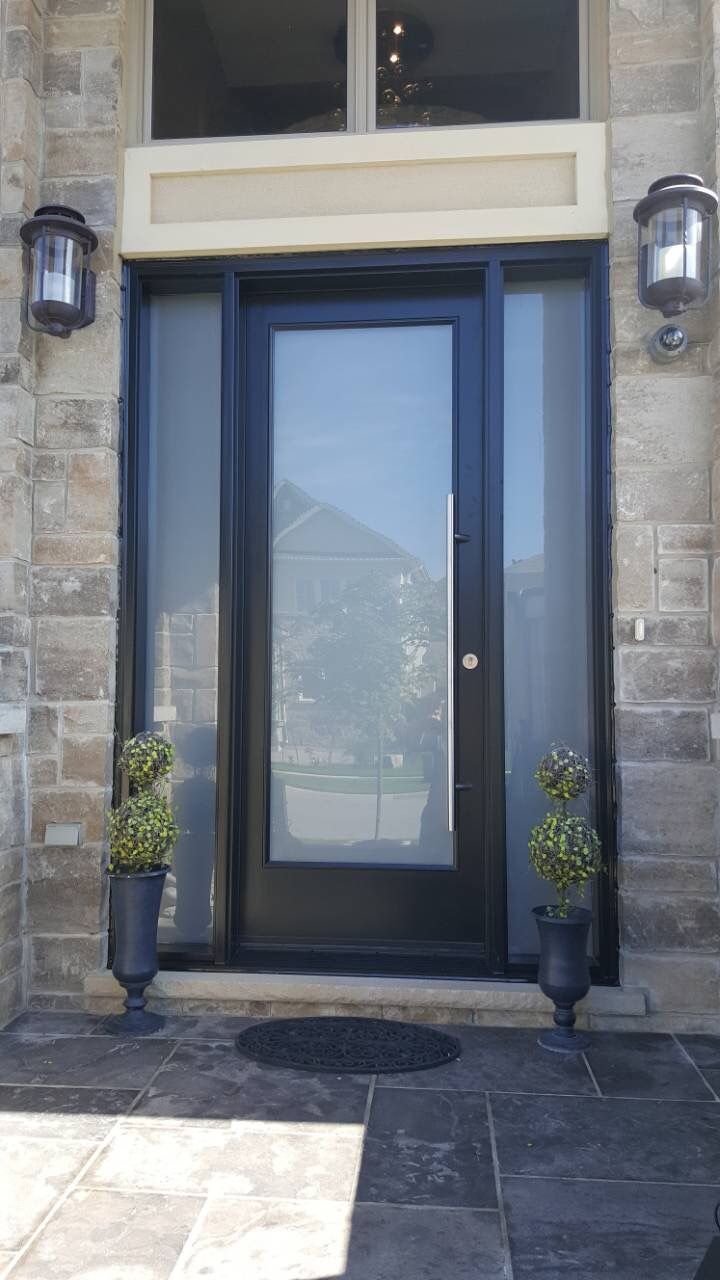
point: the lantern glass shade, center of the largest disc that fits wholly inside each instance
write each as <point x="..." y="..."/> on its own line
<point x="59" y="284"/>
<point x="56" y="284"/>
<point x="674" y="244"/>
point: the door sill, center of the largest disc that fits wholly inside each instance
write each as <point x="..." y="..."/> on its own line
<point x="442" y="1000"/>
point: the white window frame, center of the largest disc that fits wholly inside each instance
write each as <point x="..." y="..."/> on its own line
<point x="361" y="73"/>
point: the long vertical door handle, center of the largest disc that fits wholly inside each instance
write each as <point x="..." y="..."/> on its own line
<point x="450" y="717"/>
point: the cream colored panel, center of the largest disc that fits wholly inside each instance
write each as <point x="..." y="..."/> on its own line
<point x="401" y="188"/>
<point x="473" y="185"/>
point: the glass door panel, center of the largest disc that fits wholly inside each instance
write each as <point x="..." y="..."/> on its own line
<point x="362" y="464"/>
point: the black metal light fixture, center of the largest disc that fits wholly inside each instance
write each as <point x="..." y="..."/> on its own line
<point x="59" y="283"/>
<point x="674" y="253"/>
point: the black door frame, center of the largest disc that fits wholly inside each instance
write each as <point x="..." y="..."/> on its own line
<point x="238" y="279"/>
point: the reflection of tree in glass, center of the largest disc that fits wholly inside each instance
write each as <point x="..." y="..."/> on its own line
<point x="373" y="653"/>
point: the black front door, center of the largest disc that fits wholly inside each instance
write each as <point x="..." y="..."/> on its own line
<point x="365" y="786"/>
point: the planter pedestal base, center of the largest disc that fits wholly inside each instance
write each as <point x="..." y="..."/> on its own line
<point x="134" y="1022"/>
<point x="559" y="1041"/>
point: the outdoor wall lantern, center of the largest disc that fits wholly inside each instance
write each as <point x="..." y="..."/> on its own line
<point x="675" y="228"/>
<point x="59" y="284"/>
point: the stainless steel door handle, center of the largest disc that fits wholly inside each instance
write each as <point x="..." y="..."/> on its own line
<point x="450" y="570"/>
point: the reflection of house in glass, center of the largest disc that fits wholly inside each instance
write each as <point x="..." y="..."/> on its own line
<point x="358" y="713"/>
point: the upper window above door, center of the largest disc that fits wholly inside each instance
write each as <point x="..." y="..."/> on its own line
<point x="220" y="68"/>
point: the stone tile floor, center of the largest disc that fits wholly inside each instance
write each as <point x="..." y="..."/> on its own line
<point x="173" y="1157"/>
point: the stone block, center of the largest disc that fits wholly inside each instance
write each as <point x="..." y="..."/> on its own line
<point x="49" y="466"/>
<point x="667" y="629"/>
<point x="75" y="658"/>
<point x="12" y="993"/>
<point x="12" y="802"/>
<point x="65" y="112"/>
<point x="82" y="152"/>
<point x="75" y="548"/>
<point x="662" y="733"/>
<point x="634" y="555"/>
<point x="66" y="891"/>
<point x="72" y="592"/>
<point x="20" y="124"/>
<point x="11" y="911"/>
<point x="68" y="804"/>
<point x="97" y="197"/>
<point x="685" y="537"/>
<point x="667" y="675"/>
<point x="61" y="963"/>
<point x="43" y="725"/>
<point x="25" y="13"/>
<point x="66" y="422"/>
<point x="654" y="88"/>
<point x="14" y="631"/>
<point x="633" y="15"/>
<point x="681" y="13"/>
<point x="87" y="759"/>
<point x="63" y="72"/>
<point x="15" y="517"/>
<point x="683" y="584"/>
<point x="11" y="866"/>
<point x="103" y="74"/>
<point x="678" y="494"/>
<point x="675" y="982"/>
<point x="14" y="587"/>
<point x="643" y="147"/>
<point x="14" y="675"/>
<point x="42" y="771"/>
<point x="631" y="48"/>
<point x="11" y="280"/>
<point x="17" y="413"/>
<point x="660" y="421"/>
<point x="647" y="875"/>
<point x="49" y="505"/>
<point x="84" y="32"/>
<point x="92" y="498"/>
<point x="668" y="809"/>
<point x="181" y="650"/>
<point x="88" y="717"/>
<point x="675" y="924"/>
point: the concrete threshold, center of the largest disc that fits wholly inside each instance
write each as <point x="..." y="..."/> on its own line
<point x="438" y="1000"/>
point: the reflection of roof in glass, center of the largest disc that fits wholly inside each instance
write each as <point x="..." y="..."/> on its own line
<point x="294" y="509"/>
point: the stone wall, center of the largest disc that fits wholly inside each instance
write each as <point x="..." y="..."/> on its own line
<point x="664" y="539"/>
<point x="20" y="160"/>
<point x="61" y="82"/>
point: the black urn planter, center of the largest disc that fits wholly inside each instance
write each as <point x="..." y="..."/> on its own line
<point x="136" y="907"/>
<point x="564" y="974"/>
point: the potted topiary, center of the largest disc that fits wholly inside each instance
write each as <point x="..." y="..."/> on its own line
<point x="565" y="850"/>
<point x="142" y="832"/>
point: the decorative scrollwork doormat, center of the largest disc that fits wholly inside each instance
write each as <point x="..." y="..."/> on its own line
<point x="347" y="1045"/>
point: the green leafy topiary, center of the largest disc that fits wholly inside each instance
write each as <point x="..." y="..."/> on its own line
<point x="564" y="848"/>
<point x="142" y="831"/>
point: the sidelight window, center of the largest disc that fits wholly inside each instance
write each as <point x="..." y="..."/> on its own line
<point x="225" y="69"/>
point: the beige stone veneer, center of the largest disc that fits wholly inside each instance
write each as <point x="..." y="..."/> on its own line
<point x="62" y="138"/>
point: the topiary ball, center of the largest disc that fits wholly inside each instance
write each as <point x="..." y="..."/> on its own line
<point x="563" y="774"/>
<point x="565" y="850"/>
<point x="141" y="833"/>
<point x="147" y="757"/>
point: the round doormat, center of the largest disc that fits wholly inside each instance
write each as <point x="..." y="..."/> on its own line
<point x="362" y="1045"/>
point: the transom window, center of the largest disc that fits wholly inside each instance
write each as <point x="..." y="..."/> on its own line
<point x="223" y="68"/>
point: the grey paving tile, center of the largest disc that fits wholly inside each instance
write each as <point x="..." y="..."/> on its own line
<point x="612" y="1138"/>
<point x="92" y="1060"/>
<point x="705" y="1051"/>
<point x="429" y="1148"/>
<point x="502" y="1059"/>
<point x="208" y="1082"/>
<point x="593" y="1230"/>
<point x="33" y="1173"/>
<point x="183" y="1027"/>
<point x="61" y="1112"/>
<point x="99" y="1235"/>
<point x="643" y="1066"/>
<point x="275" y="1164"/>
<point x="51" y="1023"/>
<point x="263" y="1240"/>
